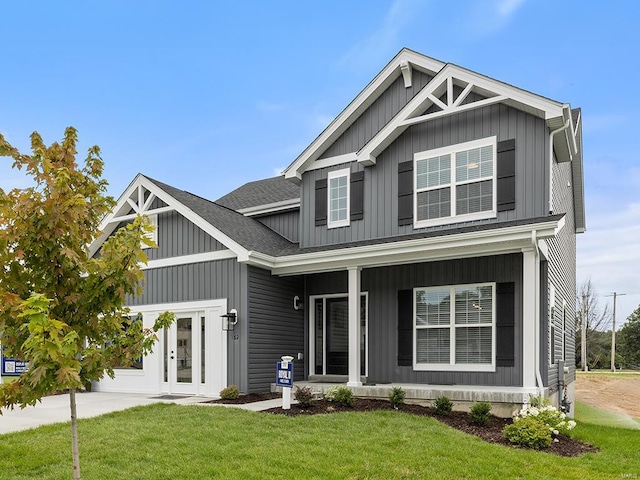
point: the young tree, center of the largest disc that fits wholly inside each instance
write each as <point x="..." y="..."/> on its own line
<point x="629" y="340"/>
<point x="596" y="320"/>
<point x="60" y="309"/>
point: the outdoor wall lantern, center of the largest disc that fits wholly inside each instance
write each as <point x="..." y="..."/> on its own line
<point x="297" y="303"/>
<point x="229" y="320"/>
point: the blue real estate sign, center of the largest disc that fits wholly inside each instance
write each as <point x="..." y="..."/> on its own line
<point x="13" y="367"/>
<point x="284" y="374"/>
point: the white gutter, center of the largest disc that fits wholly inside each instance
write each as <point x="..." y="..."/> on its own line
<point x="551" y="135"/>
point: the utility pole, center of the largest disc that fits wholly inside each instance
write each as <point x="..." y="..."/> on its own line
<point x="613" y="331"/>
<point x="583" y="336"/>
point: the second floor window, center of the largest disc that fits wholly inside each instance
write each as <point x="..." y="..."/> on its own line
<point x="455" y="182"/>
<point x="338" y="191"/>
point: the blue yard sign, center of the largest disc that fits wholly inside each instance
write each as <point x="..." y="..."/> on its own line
<point x="13" y="367"/>
<point x="284" y="374"/>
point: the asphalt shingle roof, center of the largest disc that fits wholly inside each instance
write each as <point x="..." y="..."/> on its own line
<point x="260" y="192"/>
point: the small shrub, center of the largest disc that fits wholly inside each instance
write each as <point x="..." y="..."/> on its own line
<point x="529" y="432"/>
<point x="304" y="396"/>
<point x="397" y="396"/>
<point x="229" y="393"/>
<point x="542" y="410"/>
<point x="442" y="405"/>
<point x="479" y="412"/>
<point x="340" y="394"/>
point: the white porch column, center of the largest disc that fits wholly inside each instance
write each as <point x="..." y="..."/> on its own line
<point x="354" y="327"/>
<point x="530" y="317"/>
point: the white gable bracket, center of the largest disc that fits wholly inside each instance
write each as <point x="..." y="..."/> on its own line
<point x="405" y="68"/>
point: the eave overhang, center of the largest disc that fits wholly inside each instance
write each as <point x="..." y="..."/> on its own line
<point x="496" y="241"/>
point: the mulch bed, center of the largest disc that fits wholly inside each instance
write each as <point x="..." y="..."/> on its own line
<point x="492" y="432"/>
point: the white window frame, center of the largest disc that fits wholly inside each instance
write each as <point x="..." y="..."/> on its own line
<point x="452" y="150"/>
<point x="153" y="236"/>
<point x="345" y="172"/>
<point x="563" y="327"/>
<point x="552" y="325"/>
<point x="452" y="366"/>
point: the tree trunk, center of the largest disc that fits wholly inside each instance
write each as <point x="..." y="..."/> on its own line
<point x="74" y="435"/>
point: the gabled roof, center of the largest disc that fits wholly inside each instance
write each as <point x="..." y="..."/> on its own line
<point x="268" y="195"/>
<point x="240" y="234"/>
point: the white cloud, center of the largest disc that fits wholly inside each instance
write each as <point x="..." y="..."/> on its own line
<point x="489" y="17"/>
<point x="506" y="8"/>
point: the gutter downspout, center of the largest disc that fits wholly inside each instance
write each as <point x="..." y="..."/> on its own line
<point x="536" y="249"/>
<point x="566" y="125"/>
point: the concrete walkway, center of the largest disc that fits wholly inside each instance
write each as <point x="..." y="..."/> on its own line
<point x="55" y="409"/>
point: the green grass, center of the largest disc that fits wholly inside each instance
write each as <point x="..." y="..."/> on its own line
<point x="196" y="442"/>
<point x="587" y="413"/>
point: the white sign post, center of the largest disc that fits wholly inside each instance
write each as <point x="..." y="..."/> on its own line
<point x="284" y="378"/>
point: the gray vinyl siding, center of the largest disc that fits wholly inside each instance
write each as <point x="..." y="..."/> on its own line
<point x="222" y="279"/>
<point x="377" y="115"/>
<point x="382" y="285"/>
<point x="562" y="273"/>
<point x="178" y="236"/>
<point x="286" y="224"/>
<point x="381" y="180"/>
<point x="275" y="327"/>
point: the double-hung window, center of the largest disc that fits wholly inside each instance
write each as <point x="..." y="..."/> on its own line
<point x="454" y="327"/>
<point x="338" y="201"/>
<point x="455" y="182"/>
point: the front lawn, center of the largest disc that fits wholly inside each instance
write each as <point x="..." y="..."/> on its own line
<point x="202" y="442"/>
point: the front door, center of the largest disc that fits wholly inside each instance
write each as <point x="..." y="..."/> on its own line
<point x="330" y="327"/>
<point x="182" y="362"/>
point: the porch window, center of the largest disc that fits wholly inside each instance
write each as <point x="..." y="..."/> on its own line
<point x="338" y="191"/>
<point x="454" y="327"/>
<point x="455" y="182"/>
<point x="153" y="236"/>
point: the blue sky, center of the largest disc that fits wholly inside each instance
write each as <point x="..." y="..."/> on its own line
<point x="209" y="95"/>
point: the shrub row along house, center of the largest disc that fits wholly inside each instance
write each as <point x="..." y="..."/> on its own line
<point x="427" y="237"/>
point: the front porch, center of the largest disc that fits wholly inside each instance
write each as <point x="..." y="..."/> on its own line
<point x="504" y="400"/>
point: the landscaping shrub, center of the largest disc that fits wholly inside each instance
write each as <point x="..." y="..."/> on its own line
<point x="479" y="412"/>
<point x="528" y="432"/>
<point x="442" y="405"/>
<point x="542" y="410"/>
<point x="340" y="394"/>
<point x="304" y="396"/>
<point x="397" y="396"/>
<point x="229" y="393"/>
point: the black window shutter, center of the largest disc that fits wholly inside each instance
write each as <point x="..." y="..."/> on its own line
<point x="505" y="324"/>
<point x="357" y="196"/>
<point x="405" y="328"/>
<point x="506" y="175"/>
<point x="321" y="202"/>
<point x="405" y="193"/>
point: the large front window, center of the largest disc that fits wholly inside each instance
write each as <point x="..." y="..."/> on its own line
<point x="454" y="327"/>
<point x="455" y="182"/>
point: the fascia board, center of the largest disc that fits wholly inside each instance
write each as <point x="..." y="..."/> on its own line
<point x="504" y="240"/>
<point x="358" y="105"/>
<point x="270" y="208"/>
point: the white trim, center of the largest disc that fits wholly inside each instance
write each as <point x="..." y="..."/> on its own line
<point x="153" y="234"/>
<point x="333" y="161"/>
<point x="405" y="68"/>
<point x="452" y="326"/>
<point x="530" y="267"/>
<point x="270" y="207"/>
<point x="345" y="172"/>
<point x="470" y="244"/>
<point x="354" y="301"/>
<point x="188" y="259"/>
<point x="131" y="216"/>
<point x="359" y="104"/>
<point x="453" y="183"/>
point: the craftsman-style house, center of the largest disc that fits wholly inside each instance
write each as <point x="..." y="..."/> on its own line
<point x="426" y="238"/>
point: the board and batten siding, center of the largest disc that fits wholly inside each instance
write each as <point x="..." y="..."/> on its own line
<point x="381" y="180"/>
<point x="222" y="279"/>
<point x="378" y="114"/>
<point x="562" y="275"/>
<point x="382" y="285"/>
<point x="275" y="327"/>
<point x="286" y="224"/>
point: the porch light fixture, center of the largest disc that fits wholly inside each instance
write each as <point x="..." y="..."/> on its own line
<point x="229" y="320"/>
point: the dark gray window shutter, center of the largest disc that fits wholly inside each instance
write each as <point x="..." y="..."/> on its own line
<point x="357" y="196"/>
<point x="505" y="324"/>
<point x="405" y="328"/>
<point x="321" y="202"/>
<point x="506" y="175"/>
<point x="405" y="193"/>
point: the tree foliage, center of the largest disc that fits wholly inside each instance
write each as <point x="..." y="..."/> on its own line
<point x="628" y="339"/>
<point x="62" y="310"/>
<point x="597" y="322"/>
